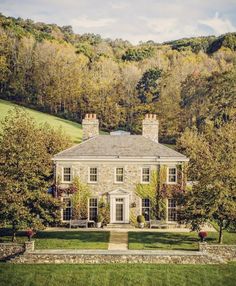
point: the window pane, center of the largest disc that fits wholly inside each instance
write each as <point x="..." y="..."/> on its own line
<point x="119" y="174"/>
<point x="93" y="209"/>
<point x="172" y="176"/>
<point x="67" y="174"/>
<point x="172" y="210"/>
<point x="93" y="202"/>
<point x="146" y="209"/>
<point x="93" y="175"/>
<point x="67" y="211"/>
<point x="145" y="174"/>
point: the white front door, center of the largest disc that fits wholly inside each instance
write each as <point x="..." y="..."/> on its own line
<point x="119" y="210"/>
<point x="119" y="206"/>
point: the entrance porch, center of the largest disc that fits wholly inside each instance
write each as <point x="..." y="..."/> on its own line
<point x="119" y="206"/>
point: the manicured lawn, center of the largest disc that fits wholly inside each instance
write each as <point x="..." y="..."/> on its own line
<point x="67" y="239"/>
<point x="175" y="241"/>
<point x="109" y="275"/>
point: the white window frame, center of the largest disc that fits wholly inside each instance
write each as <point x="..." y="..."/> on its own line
<point x="63" y="173"/>
<point x="145" y="182"/>
<point x="143" y="207"/>
<point x="169" y="208"/>
<point x="119" y="182"/>
<point x="92" y="207"/>
<point x="168" y="174"/>
<point x="62" y="210"/>
<point x="89" y="169"/>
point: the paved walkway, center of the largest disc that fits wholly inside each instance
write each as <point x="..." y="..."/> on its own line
<point x="119" y="252"/>
<point x="118" y="240"/>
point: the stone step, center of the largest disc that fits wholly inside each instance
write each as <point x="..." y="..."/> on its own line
<point x="119" y="225"/>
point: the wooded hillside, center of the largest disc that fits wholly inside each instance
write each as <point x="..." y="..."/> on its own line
<point x="188" y="82"/>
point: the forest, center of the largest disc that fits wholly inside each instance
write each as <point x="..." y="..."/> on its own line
<point x="187" y="82"/>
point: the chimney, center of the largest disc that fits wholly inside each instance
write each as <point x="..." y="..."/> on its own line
<point x="150" y="127"/>
<point x="90" y="126"/>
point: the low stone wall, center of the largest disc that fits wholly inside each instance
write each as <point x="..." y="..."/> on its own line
<point x="227" y="252"/>
<point x="8" y="250"/>
<point x="42" y="258"/>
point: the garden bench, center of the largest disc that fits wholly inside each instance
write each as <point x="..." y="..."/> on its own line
<point x="158" y="223"/>
<point x="78" y="223"/>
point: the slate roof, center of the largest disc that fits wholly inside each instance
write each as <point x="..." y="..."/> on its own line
<point x="119" y="146"/>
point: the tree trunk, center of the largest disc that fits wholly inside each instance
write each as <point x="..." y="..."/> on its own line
<point x="13" y="238"/>
<point x="220" y="234"/>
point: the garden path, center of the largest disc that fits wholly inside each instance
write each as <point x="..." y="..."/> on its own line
<point x="118" y="240"/>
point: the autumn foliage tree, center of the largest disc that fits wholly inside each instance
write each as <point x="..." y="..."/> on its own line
<point x="26" y="172"/>
<point x="212" y="165"/>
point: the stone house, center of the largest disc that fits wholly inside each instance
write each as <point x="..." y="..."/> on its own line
<point x="115" y="166"/>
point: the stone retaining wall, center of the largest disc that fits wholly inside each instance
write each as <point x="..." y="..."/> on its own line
<point x="227" y="252"/>
<point x="8" y="250"/>
<point x="41" y="258"/>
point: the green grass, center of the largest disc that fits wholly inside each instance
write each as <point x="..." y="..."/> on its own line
<point x="72" y="129"/>
<point x="175" y="241"/>
<point x="65" y="239"/>
<point x="121" y="274"/>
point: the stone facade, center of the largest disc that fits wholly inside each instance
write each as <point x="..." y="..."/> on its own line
<point x="106" y="183"/>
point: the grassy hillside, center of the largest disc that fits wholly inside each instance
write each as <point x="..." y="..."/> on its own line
<point x="71" y="128"/>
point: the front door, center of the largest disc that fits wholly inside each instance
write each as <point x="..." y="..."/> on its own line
<point x="119" y="210"/>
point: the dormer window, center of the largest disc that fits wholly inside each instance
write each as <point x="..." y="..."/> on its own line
<point x="67" y="174"/>
<point x="172" y="175"/>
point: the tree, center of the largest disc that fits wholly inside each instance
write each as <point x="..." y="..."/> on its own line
<point x="148" y="87"/>
<point x="213" y="197"/>
<point x="26" y="172"/>
<point x="81" y="193"/>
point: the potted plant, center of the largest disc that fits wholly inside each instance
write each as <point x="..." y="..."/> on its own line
<point x="141" y="221"/>
<point x="99" y="221"/>
<point x="30" y="233"/>
<point x="202" y="234"/>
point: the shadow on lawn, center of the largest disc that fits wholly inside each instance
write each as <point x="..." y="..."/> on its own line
<point x="166" y="240"/>
<point x="85" y="236"/>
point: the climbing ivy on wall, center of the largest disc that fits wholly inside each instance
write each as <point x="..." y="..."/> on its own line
<point x="80" y="199"/>
<point x="158" y="191"/>
<point x="154" y="193"/>
<point x="104" y="210"/>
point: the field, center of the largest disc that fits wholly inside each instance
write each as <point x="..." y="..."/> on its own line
<point x="120" y="274"/>
<point x="70" y="128"/>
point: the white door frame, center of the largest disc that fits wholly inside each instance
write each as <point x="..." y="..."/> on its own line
<point x="119" y="194"/>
